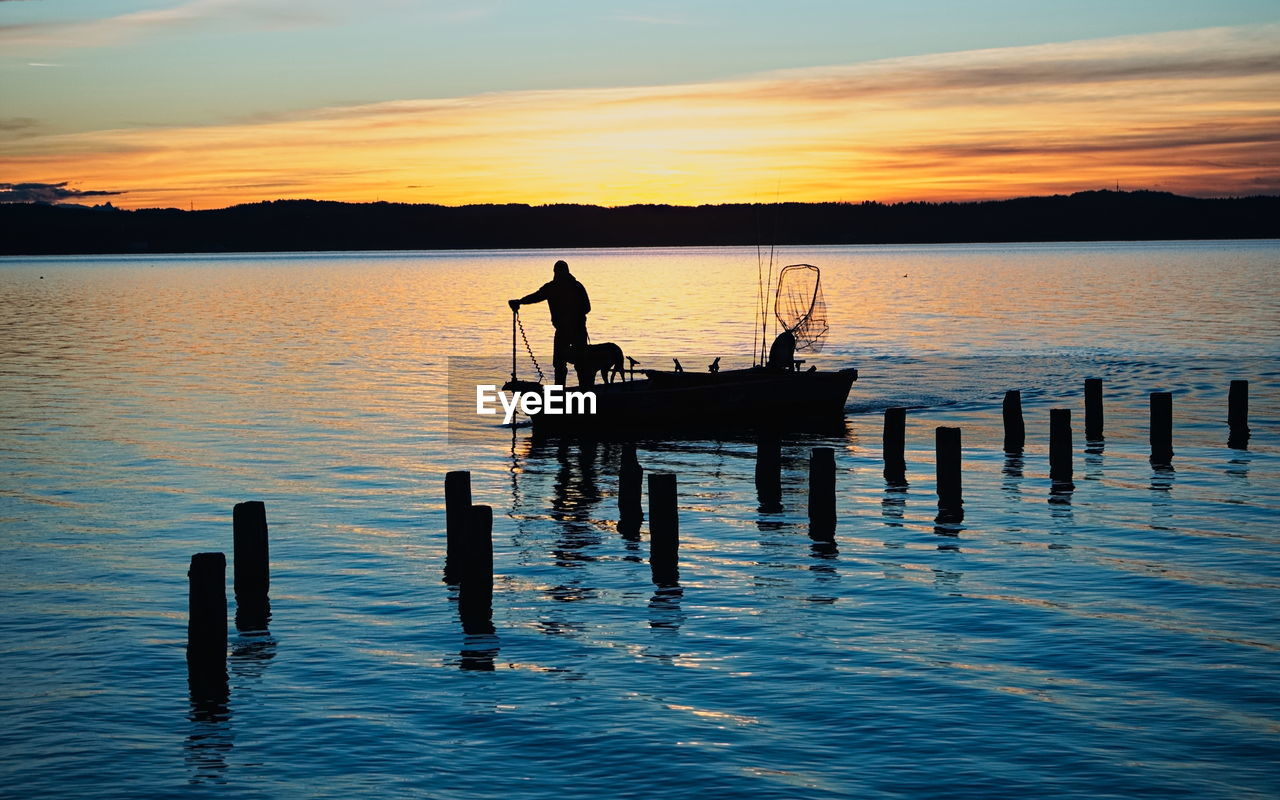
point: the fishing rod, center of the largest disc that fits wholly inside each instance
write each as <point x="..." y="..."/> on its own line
<point x="764" y="300"/>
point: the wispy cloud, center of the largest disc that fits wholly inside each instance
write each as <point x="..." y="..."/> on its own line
<point x="209" y="15"/>
<point x="188" y="15"/>
<point x="19" y="125"/>
<point x="650" y="19"/>
<point x="45" y="193"/>
<point x="1195" y="112"/>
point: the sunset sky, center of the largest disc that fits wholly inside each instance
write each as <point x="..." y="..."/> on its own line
<point x="207" y="103"/>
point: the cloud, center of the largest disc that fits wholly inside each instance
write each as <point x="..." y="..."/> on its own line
<point x="201" y="15"/>
<point x="20" y="126"/>
<point x="645" y="19"/>
<point x="188" y="15"/>
<point x="1194" y="112"/>
<point x="45" y="193"/>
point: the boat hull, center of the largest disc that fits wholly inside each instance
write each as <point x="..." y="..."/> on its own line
<point x="697" y="402"/>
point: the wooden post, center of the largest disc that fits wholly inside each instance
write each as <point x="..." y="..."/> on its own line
<point x="457" y="512"/>
<point x="630" y="476"/>
<point x="1238" y="415"/>
<point x="664" y="518"/>
<point x="1161" y="427"/>
<point x="475" y="590"/>
<point x="947" y="446"/>
<point x="1093" y="409"/>
<point x="822" y="491"/>
<point x="251" y="559"/>
<point x="769" y="471"/>
<point x="1060" y="448"/>
<point x="1015" y="432"/>
<point x="895" y="437"/>
<point x="207" y="603"/>
<point x="895" y="440"/>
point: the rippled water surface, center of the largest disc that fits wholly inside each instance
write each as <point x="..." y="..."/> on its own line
<point x="1119" y="641"/>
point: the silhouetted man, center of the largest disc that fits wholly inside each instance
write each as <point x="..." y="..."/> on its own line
<point x="569" y="306"/>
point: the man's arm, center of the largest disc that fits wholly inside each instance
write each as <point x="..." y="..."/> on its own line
<point x="537" y="297"/>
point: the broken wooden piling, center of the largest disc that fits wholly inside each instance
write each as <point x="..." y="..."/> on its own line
<point x="894" y="444"/>
<point x="457" y="513"/>
<point x="475" y="587"/>
<point x="1238" y="415"/>
<point x="1015" y="432"/>
<point x="251" y="560"/>
<point x="1161" y="427"/>
<point x="207" y="610"/>
<point x="947" y="451"/>
<point x="822" y="491"/>
<point x="1093" y="418"/>
<point x="630" y="477"/>
<point x="664" y="518"/>
<point x="1061" y="470"/>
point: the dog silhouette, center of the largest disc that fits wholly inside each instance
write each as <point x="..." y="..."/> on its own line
<point x="606" y="359"/>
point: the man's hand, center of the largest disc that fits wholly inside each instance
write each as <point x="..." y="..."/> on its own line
<point x="515" y="304"/>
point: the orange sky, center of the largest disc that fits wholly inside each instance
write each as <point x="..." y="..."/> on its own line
<point x="1191" y="112"/>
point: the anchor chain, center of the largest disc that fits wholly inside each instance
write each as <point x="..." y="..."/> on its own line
<point x="529" y="350"/>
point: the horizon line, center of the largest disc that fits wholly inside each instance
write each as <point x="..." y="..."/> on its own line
<point x="869" y="202"/>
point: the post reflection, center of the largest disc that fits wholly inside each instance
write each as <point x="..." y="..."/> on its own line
<point x="1093" y="460"/>
<point x="950" y="530"/>
<point x="1237" y="473"/>
<point x="1162" y="481"/>
<point x="629" y="529"/>
<point x="1012" y="472"/>
<point x="475" y="617"/>
<point x="475" y="611"/>
<point x="1238" y="466"/>
<point x="252" y="619"/>
<point x="479" y="652"/>
<point x="893" y="505"/>
<point x="251" y="654"/>
<point x="664" y="606"/>
<point x="1060" y="495"/>
<point x="825" y="557"/>
<point x="949" y="515"/>
<point x="210" y="737"/>
<point x="822" y="533"/>
<point x="1011" y="475"/>
<point x="1060" y="508"/>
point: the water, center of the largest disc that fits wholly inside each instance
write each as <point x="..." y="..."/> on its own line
<point x="1117" y="642"/>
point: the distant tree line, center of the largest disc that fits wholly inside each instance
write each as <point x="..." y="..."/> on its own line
<point x="312" y="225"/>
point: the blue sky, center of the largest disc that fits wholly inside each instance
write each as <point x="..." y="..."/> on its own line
<point x="220" y="60"/>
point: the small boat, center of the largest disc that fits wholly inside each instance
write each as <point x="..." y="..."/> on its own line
<point x="690" y="401"/>
<point x="775" y="394"/>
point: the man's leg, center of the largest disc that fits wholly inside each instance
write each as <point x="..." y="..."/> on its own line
<point x="577" y="347"/>
<point x="560" y="357"/>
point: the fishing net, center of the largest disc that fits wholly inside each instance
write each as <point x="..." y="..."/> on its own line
<point x="800" y="308"/>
